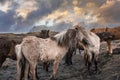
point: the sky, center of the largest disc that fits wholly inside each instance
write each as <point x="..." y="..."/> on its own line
<point x="23" y="15"/>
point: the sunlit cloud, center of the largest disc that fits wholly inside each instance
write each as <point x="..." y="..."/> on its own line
<point x="26" y="7"/>
<point x="26" y="13"/>
<point x="109" y="12"/>
<point x="75" y="2"/>
<point x="5" y="6"/>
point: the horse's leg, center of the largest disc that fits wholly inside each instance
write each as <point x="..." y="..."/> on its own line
<point x="67" y="58"/>
<point x="109" y="47"/>
<point x="89" y="61"/>
<point x="26" y="73"/>
<point x="19" y="69"/>
<point x="55" y="68"/>
<point x="86" y="59"/>
<point x="71" y="54"/>
<point x="33" y="66"/>
<point x="96" y="62"/>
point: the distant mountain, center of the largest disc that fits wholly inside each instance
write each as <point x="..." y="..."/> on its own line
<point x="39" y="28"/>
<point x="63" y="25"/>
<point x="58" y="27"/>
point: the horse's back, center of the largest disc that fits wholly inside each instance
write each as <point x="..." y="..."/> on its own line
<point x="94" y="38"/>
<point x="98" y="30"/>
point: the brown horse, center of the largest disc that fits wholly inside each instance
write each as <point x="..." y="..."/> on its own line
<point x="7" y="49"/>
<point x="113" y="31"/>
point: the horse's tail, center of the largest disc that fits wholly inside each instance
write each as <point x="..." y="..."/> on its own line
<point x="20" y="61"/>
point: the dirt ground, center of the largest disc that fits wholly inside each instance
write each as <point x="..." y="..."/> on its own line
<point x="109" y="68"/>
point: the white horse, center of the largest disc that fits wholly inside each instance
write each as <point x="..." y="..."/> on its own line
<point x="91" y="51"/>
<point x="35" y="50"/>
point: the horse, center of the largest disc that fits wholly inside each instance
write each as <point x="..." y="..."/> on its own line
<point x="104" y="36"/>
<point x="7" y="49"/>
<point x="35" y="50"/>
<point x="45" y="34"/>
<point x="113" y="31"/>
<point x="91" y="51"/>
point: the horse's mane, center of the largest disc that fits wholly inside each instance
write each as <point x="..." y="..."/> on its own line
<point x="65" y="38"/>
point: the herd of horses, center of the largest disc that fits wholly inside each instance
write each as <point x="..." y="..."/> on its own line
<point x="52" y="49"/>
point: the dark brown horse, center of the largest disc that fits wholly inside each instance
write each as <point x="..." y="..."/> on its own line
<point x="104" y="36"/>
<point x="113" y="31"/>
<point x="45" y="34"/>
<point x="7" y="49"/>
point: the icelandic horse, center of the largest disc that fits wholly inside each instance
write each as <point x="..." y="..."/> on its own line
<point x="33" y="50"/>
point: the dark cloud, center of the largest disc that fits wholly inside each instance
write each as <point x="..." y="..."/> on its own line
<point x="111" y="13"/>
<point x="45" y="8"/>
<point x="6" y="20"/>
<point x="2" y="1"/>
<point x="11" y="21"/>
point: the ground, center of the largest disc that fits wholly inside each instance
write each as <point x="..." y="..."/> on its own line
<point x="109" y="67"/>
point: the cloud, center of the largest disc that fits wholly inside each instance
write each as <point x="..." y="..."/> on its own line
<point x="5" y="6"/>
<point x="26" y="7"/>
<point x="109" y="12"/>
<point x="6" y="20"/>
<point x="23" y="14"/>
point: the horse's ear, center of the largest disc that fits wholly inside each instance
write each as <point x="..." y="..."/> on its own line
<point x="75" y="27"/>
